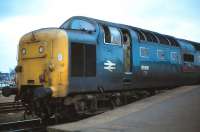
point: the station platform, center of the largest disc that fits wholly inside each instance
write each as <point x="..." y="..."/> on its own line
<point x="177" y="110"/>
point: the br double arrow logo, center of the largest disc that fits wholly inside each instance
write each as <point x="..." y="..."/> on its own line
<point x="110" y="66"/>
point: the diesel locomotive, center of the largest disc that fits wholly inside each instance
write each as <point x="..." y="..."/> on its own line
<point x="86" y="61"/>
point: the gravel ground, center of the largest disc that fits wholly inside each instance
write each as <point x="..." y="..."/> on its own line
<point x="7" y="117"/>
<point x="6" y="99"/>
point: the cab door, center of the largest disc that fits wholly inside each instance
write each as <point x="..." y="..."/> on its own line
<point x="111" y="57"/>
<point x="126" y="42"/>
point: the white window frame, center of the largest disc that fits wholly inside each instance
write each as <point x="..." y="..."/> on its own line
<point x="159" y="50"/>
<point x="141" y="52"/>
<point x="111" y="36"/>
<point x="198" y="59"/>
<point x="172" y="59"/>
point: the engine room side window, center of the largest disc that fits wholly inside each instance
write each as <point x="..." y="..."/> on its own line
<point x="174" y="57"/>
<point x="141" y="35"/>
<point x="83" y="60"/>
<point x="161" y="54"/>
<point x="144" y="52"/>
<point x="112" y="35"/>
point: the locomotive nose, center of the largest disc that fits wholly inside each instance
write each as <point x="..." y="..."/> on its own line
<point x="43" y="58"/>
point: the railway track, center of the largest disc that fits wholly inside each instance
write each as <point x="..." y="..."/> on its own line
<point x="35" y="125"/>
<point x="23" y="126"/>
<point x="11" y="107"/>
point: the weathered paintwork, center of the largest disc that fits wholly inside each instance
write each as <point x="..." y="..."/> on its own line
<point x="146" y="72"/>
<point x="160" y="73"/>
<point x="50" y="65"/>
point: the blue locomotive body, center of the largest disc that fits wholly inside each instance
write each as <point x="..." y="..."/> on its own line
<point x="110" y="57"/>
<point x="94" y="64"/>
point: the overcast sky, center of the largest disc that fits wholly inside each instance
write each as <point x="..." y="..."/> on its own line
<point x="180" y="18"/>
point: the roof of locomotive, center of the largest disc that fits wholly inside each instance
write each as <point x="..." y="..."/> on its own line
<point x="196" y="45"/>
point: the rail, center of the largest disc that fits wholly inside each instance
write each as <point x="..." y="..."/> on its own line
<point x="11" y="107"/>
<point x="25" y="125"/>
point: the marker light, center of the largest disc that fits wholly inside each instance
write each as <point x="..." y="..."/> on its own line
<point x="23" y="51"/>
<point x="41" y="49"/>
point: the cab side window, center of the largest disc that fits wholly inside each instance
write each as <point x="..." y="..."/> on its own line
<point x="112" y="35"/>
